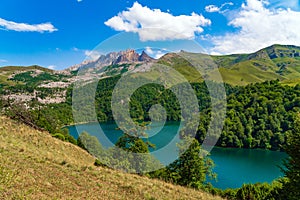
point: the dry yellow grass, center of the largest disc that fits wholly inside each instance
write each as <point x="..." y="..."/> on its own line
<point x="33" y="165"/>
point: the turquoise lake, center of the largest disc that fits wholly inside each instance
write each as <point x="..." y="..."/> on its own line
<point x="233" y="166"/>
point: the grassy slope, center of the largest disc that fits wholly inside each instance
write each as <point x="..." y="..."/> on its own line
<point x="275" y="62"/>
<point x="182" y="66"/>
<point x="265" y="64"/>
<point x="33" y="165"/>
<point x="245" y="72"/>
<point x="20" y="68"/>
<point x="7" y="71"/>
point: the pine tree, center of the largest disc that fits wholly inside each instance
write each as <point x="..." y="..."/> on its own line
<point x="291" y="188"/>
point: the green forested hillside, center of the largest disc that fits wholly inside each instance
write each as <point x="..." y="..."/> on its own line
<point x="258" y="115"/>
<point x="262" y="96"/>
<point x="263" y="102"/>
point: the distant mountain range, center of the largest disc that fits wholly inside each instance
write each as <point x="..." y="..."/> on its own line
<point x="274" y="62"/>
<point x="114" y="58"/>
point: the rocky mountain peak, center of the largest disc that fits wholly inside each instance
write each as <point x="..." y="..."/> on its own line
<point x="127" y="56"/>
<point x="144" y="57"/>
<point x="130" y="56"/>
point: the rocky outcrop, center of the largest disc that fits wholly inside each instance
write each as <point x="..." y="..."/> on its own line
<point x="127" y="56"/>
<point x="131" y="56"/>
<point x="145" y="58"/>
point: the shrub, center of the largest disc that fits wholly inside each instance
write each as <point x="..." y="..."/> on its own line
<point x="59" y="136"/>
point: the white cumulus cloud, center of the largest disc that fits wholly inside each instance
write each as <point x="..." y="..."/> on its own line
<point x="155" y="25"/>
<point x="258" y="27"/>
<point x="155" y="53"/>
<point x="214" y="8"/>
<point x="23" y="27"/>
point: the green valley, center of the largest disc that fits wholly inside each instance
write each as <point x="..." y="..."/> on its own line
<point x="262" y="112"/>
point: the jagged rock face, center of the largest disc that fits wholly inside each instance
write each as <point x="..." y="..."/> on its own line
<point x="108" y="59"/>
<point x="130" y="56"/>
<point x="145" y="58"/>
<point x="85" y="64"/>
<point x="127" y="57"/>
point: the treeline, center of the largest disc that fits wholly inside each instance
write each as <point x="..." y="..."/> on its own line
<point x="286" y="188"/>
<point x="32" y="80"/>
<point x="261" y="115"/>
<point x="191" y="170"/>
<point x="258" y="115"/>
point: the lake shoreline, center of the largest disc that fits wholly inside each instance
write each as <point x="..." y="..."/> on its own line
<point x="113" y="122"/>
<point x="234" y="166"/>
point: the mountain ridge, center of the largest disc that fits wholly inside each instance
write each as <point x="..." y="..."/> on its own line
<point x="273" y="62"/>
<point x="114" y="58"/>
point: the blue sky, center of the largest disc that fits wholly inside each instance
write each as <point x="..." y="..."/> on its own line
<point x="61" y="33"/>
